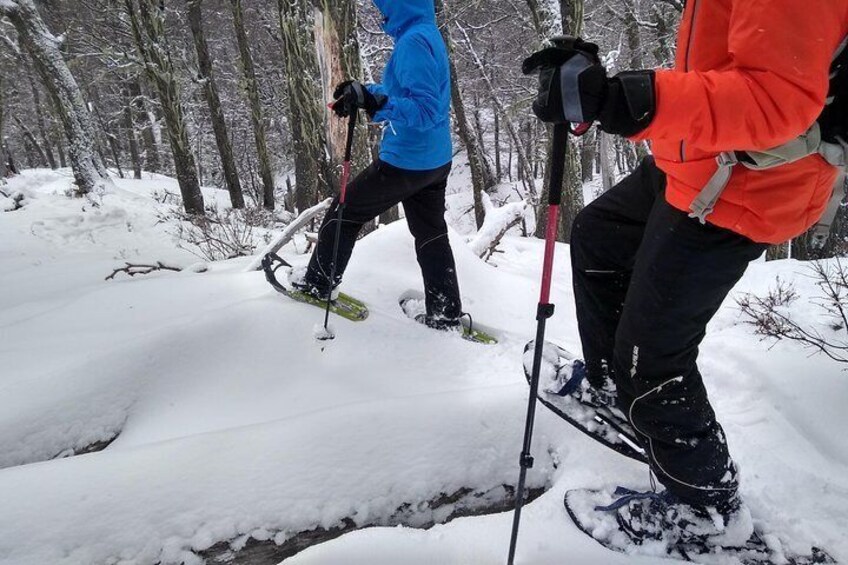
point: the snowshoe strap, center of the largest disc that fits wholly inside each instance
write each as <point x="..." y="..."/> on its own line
<point x="578" y="375"/>
<point x="470" y="322"/>
<point x="627" y="495"/>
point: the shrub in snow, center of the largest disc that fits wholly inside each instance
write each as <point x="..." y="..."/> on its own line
<point x="222" y="234"/>
<point x="772" y="315"/>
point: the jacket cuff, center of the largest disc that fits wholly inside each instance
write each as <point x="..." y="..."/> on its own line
<point x="660" y="78"/>
<point x="382" y="115"/>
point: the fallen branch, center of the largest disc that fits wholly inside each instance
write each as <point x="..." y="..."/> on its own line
<point x="14" y="201"/>
<point x="299" y="223"/>
<point x="497" y="224"/>
<point x="415" y="514"/>
<point x="134" y="269"/>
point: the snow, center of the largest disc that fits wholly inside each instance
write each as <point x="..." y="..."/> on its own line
<point x="233" y="423"/>
<point x="496" y="223"/>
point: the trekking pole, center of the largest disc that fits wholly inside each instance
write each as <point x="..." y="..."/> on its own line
<point x="545" y="311"/>
<point x="351" y="128"/>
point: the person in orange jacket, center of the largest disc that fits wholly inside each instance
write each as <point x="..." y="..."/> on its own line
<point x="651" y="267"/>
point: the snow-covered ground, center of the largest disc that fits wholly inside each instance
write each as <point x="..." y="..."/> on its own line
<point x="234" y="423"/>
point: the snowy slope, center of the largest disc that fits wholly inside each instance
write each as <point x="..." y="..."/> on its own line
<point x="232" y="422"/>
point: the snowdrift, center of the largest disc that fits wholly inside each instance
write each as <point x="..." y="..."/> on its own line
<point x="229" y="423"/>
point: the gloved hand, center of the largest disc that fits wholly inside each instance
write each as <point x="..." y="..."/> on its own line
<point x="574" y="88"/>
<point x="351" y="95"/>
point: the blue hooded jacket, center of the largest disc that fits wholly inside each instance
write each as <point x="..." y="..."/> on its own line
<point x="417" y="135"/>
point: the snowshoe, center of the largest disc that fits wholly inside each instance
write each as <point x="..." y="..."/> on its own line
<point x="341" y="304"/>
<point x="565" y="390"/>
<point x="657" y="524"/>
<point x="413" y="305"/>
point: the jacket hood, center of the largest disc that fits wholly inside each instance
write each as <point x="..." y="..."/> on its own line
<point x="398" y="15"/>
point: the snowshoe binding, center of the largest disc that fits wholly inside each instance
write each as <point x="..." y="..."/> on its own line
<point x="297" y="289"/>
<point x="658" y="524"/>
<point x="565" y="390"/>
<point x="413" y="305"/>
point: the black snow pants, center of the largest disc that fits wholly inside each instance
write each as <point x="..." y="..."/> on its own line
<point x="647" y="280"/>
<point x="377" y="189"/>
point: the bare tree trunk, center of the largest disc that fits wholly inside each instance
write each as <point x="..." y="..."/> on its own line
<point x="129" y="130"/>
<point x="39" y="116"/>
<point x="213" y="100"/>
<point x="523" y="162"/>
<point x="588" y="148"/>
<point x="4" y="168"/>
<point x="144" y="125"/>
<point x="251" y="87"/>
<point x="60" y="147"/>
<point x="305" y="112"/>
<point x="665" y="34"/>
<point x="148" y="25"/>
<point x="115" y="148"/>
<point x="497" y="133"/>
<point x="111" y="140"/>
<point x="570" y="22"/>
<point x="32" y="142"/>
<point x="605" y="158"/>
<point x="339" y="59"/>
<point x="43" y="48"/>
<point x="633" y="32"/>
<point x="778" y="252"/>
<point x="7" y="164"/>
<point x="478" y="178"/>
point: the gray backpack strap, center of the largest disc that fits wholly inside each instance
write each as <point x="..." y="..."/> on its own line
<point x="705" y="202"/>
<point x="799" y="148"/>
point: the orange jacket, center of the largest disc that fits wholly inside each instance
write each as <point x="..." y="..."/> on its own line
<point x="749" y="75"/>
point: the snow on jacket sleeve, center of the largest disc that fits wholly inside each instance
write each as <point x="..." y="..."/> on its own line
<point x="774" y="90"/>
<point x="419" y="78"/>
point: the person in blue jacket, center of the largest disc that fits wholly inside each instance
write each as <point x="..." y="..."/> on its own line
<point x="413" y="103"/>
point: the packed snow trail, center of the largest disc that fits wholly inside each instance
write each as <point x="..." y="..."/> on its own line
<point x="233" y="423"/>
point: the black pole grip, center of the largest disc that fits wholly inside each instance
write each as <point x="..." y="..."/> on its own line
<point x="559" y="152"/>
<point x="351" y="129"/>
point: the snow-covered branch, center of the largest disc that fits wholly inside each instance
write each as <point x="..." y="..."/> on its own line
<point x="299" y="223"/>
<point x="498" y="222"/>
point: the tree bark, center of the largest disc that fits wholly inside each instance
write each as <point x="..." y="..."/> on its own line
<point x="526" y="172"/>
<point x="129" y="130"/>
<point x="251" y="88"/>
<point x="588" y="148"/>
<point x="144" y="125"/>
<point x="32" y="142"/>
<point x="213" y="100"/>
<point x="111" y="139"/>
<point x="339" y="59"/>
<point x="4" y="168"/>
<point x="39" y="116"/>
<point x="478" y="179"/>
<point x="305" y="112"/>
<point x="571" y="23"/>
<point x="497" y="133"/>
<point x="147" y="18"/>
<point x="43" y="48"/>
<point x="607" y="164"/>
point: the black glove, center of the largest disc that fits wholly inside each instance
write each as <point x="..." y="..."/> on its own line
<point x="574" y="88"/>
<point x="351" y="95"/>
<point x="572" y="81"/>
